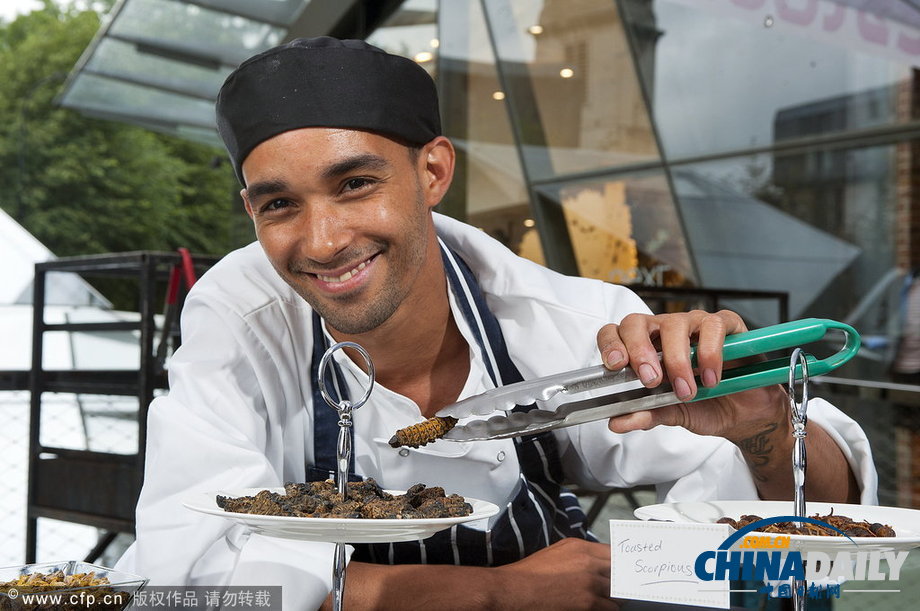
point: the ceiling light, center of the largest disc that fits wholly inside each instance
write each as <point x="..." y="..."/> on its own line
<point x="498" y="95"/>
<point x="535" y="29"/>
<point x="424" y="56"/>
<point x="566" y="73"/>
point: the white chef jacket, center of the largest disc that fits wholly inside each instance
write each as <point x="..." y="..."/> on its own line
<point x="239" y="415"/>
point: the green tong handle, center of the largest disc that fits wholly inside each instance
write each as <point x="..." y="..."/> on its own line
<point x="791" y="334"/>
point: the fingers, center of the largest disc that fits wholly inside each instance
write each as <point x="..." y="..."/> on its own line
<point x="611" y="347"/>
<point x="591" y="578"/>
<point x="635" y="341"/>
<point x="630" y="343"/>
<point x="710" y="338"/>
<point x="675" y="336"/>
<point x="677" y="332"/>
<point x="595" y="557"/>
<point x="569" y="574"/>
<point x="670" y="415"/>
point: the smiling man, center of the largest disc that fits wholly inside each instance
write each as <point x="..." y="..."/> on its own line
<point x="351" y="180"/>
<point x="339" y="150"/>
<point x="345" y="218"/>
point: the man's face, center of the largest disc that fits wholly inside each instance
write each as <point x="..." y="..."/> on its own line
<point x="343" y="218"/>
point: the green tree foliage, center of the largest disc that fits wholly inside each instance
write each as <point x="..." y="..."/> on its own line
<point x="85" y="186"/>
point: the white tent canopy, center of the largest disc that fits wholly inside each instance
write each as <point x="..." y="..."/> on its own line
<point x="20" y="251"/>
<point x="101" y="423"/>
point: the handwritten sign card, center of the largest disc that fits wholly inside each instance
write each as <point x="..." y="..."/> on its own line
<point x="654" y="561"/>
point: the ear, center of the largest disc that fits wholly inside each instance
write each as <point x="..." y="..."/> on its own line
<point x="436" y="169"/>
<point x="245" y="195"/>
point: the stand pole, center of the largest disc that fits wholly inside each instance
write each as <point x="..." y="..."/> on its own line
<point x="344" y="409"/>
<point x="799" y="416"/>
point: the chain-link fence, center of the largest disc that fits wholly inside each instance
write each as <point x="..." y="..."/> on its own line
<point x="102" y="424"/>
<point x="14" y="439"/>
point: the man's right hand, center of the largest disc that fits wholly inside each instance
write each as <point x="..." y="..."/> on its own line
<point x="570" y="574"/>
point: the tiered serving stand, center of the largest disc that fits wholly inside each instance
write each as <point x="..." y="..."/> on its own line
<point x="340" y="531"/>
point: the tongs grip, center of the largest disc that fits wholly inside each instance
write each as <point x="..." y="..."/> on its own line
<point x="622" y="392"/>
<point x="769" y="339"/>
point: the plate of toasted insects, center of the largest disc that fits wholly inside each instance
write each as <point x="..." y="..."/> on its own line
<point x="368" y="514"/>
<point x="869" y="527"/>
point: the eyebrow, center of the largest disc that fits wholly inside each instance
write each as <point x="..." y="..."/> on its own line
<point x="366" y="161"/>
<point x="266" y="187"/>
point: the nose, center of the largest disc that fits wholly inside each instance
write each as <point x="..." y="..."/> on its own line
<point x="323" y="232"/>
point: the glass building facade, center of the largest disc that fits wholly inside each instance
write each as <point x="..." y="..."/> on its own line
<point x="729" y="145"/>
<point x="762" y="151"/>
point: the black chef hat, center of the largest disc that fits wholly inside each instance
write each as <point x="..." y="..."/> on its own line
<point x="325" y="82"/>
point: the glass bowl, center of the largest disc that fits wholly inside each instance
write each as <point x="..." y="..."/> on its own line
<point x="17" y="593"/>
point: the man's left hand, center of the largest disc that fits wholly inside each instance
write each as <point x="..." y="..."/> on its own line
<point x="757" y="421"/>
<point x="636" y="342"/>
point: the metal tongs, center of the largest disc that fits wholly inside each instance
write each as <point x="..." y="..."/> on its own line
<point x="596" y="393"/>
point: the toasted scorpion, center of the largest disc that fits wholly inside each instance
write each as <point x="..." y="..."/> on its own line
<point x="423" y="432"/>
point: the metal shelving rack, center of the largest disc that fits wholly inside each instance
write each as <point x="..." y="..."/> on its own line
<point x="83" y="486"/>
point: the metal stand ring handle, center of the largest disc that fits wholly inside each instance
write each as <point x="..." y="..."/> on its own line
<point x="799" y="408"/>
<point x="324" y="363"/>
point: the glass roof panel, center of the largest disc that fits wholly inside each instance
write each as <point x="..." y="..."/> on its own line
<point x="160" y="63"/>
<point x="121" y="60"/>
<point x="190" y="32"/>
<point x="279" y="12"/>
<point x="103" y="96"/>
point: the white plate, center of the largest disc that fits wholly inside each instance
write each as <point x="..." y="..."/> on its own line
<point x="905" y="522"/>
<point x="334" y="530"/>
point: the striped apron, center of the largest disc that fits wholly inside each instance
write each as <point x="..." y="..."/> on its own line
<point x="541" y="512"/>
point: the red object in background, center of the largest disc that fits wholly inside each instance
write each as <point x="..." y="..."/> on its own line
<point x="185" y="269"/>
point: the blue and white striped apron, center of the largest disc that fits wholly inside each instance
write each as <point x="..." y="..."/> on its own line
<point x="541" y="513"/>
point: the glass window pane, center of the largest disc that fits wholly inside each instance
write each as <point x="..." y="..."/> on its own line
<point x="568" y="74"/>
<point x="822" y="225"/>
<point x="411" y="32"/>
<point x="727" y="76"/>
<point x="625" y="230"/>
<point x="489" y="178"/>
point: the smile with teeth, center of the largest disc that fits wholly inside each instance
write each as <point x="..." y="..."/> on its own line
<point x="346" y="276"/>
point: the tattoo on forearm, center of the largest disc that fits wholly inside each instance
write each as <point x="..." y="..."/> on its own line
<point x="757" y="450"/>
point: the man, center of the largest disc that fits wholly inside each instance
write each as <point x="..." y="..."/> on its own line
<point x="339" y="149"/>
